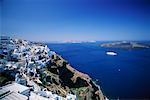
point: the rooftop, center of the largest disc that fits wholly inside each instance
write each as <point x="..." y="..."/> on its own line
<point x="7" y="95"/>
<point x="15" y="87"/>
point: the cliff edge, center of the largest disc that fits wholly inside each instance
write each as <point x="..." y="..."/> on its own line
<point x="46" y="73"/>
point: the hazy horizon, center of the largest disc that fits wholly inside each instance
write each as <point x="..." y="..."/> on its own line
<point x="85" y="20"/>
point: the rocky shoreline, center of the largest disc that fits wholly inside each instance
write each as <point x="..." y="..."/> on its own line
<point x="46" y="73"/>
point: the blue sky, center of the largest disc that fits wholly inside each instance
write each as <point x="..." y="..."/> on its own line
<point x="60" y="20"/>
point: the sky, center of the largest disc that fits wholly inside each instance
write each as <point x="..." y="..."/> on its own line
<point x="82" y="20"/>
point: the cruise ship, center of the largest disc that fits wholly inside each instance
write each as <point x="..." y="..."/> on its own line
<point x="111" y="53"/>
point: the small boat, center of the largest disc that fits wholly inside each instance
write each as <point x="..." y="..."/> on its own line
<point x="111" y="53"/>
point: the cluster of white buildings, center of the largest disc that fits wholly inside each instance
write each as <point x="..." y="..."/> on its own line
<point x="25" y="57"/>
<point x="16" y="91"/>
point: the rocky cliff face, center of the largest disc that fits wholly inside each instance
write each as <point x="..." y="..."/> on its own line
<point x="77" y="82"/>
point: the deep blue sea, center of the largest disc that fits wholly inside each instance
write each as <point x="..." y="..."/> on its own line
<point x="126" y="75"/>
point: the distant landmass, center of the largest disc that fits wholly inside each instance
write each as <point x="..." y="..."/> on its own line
<point x="126" y="45"/>
<point x="77" y="41"/>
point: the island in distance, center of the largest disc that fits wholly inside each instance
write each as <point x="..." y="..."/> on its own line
<point x="126" y="45"/>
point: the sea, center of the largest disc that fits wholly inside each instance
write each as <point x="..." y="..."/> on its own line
<point x="125" y="76"/>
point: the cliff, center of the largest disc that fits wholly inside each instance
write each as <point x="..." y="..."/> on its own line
<point x="79" y="83"/>
<point x="26" y="62"/>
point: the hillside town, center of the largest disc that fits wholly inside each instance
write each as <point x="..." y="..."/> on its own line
<point x="22" y="61"/>
<point x="31" y="71"/>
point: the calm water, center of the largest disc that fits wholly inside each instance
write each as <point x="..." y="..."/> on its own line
<point x="126" y="75"/>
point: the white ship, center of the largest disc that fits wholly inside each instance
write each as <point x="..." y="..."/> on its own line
<point x="111" y="53"/>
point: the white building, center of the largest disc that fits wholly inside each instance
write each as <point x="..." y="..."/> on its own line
<point x="18" y="88"/>
<point x="7" y="95"/>
<point x="48" y="95"/>
<point x="34" y="96"/>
